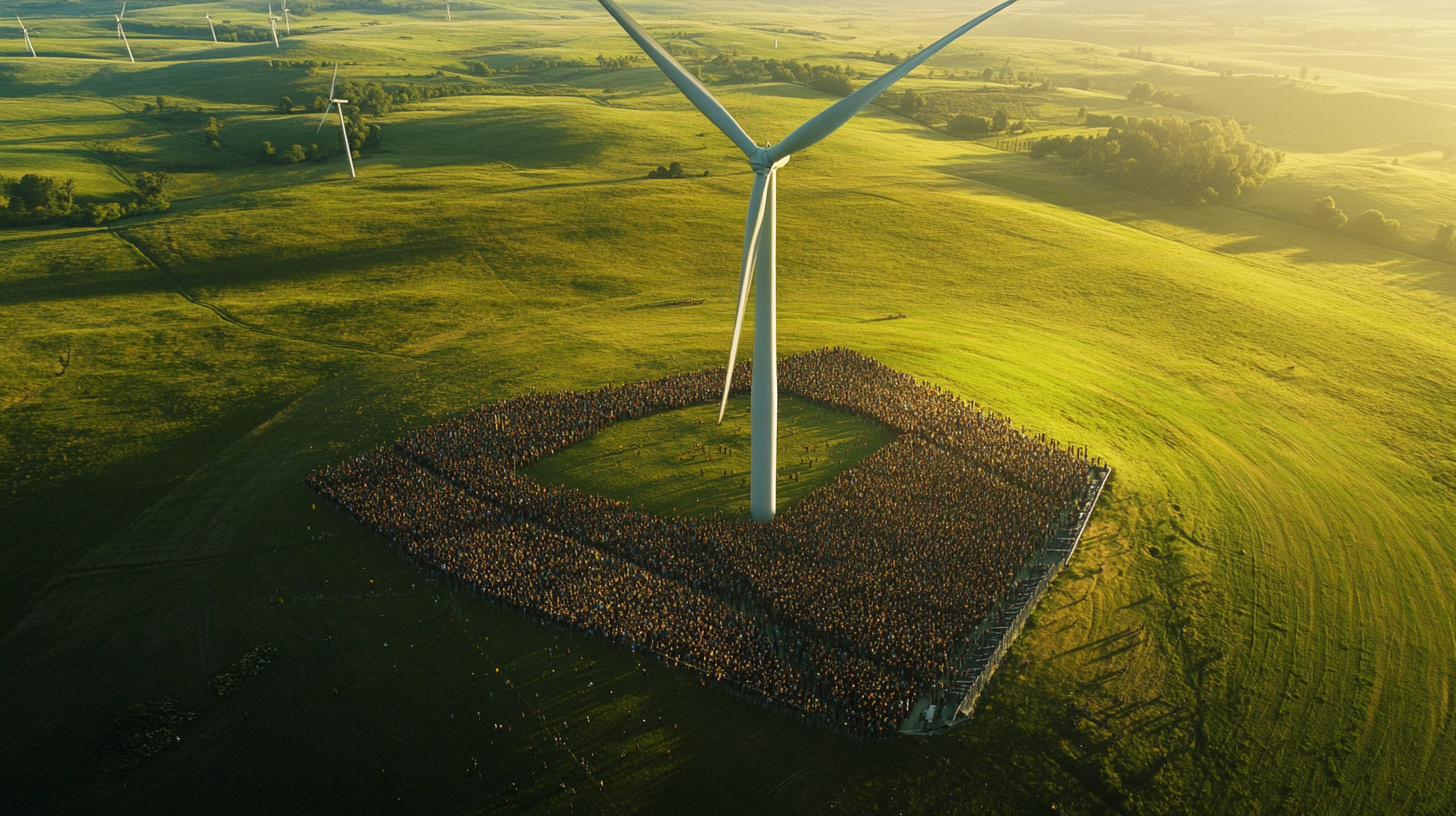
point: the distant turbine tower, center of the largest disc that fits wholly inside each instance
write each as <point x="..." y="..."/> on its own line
<point x="121" y="35"/>
<point x="447" y="13"/>
<point x="25" y="32"/>
<point x="760" y="236"/>
<point x="287" y="26"/>
<point x="273" y="26"/>
<point x="348" y="151"/>
<point x="210" y="27"/>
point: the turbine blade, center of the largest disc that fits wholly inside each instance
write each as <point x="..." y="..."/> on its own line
<point x="833" y="117"/>
<point x="333" y="82"/>
<point x="327" y="108"/>
<point x="752" y="229"/>
<point x="685" y="82"/>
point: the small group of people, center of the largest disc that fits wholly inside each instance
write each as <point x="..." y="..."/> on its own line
<point x="846" y="608"/>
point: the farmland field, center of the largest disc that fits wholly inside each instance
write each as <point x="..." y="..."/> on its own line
<point x="1262" y="618"/>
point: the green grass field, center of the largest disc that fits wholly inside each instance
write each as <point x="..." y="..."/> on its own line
<point x="1260" y="619"/>
<point x="683" y="463"/>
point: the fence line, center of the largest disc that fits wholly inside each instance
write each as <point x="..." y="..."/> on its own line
<point x="985" y="653"/>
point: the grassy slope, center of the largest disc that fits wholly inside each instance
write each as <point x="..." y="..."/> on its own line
<point x="1275" y="404"/>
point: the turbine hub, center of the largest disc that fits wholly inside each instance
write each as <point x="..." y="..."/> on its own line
<point x="763" y="164"/>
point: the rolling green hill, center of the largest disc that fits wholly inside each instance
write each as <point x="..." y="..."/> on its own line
<point x="1261" y="619"/>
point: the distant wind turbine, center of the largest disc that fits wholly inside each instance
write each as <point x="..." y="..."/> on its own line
<point x="447" y="13"/>
<point x="25" y="32"/>
<point x="761" y="237"/>
<point x="121" y="35"/>
<point x="287" y="26"/>
<point x="210" y="27"/>
<point x="348" y="151"/>
<point x="273" y="26"/>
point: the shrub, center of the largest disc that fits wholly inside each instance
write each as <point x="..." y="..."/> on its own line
<point x="1327" y="216"/>
<point x="1372" y="225"/>
<point x="967" y="125"/>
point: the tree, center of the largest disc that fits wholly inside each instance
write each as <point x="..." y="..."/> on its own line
<point x="1304" y="73"/>
<point x="1372" y="225"/>
<point x="999" y="121"/>
<point x="209" y="134"/>
<point x="294" y="155"/>
<point x="1198" y="162"/>
<point x="672" y="171"/>
<point x="1082" y="112"/>
<point x="1141" y="92"/>
<point x="911" y="103"/>
<point x="1445" y="244"/>
<point x="41" y="197"/>
<point x="98" y="214"/>
<point x="285" y="105"/>
<point x="967" y="125"/>
<point x="161" y="103"/>
<point x="837" y="84"/>
<point x="988" y="75"/>
<point x="1327" y="216"/>
<point x="153" y="189"/>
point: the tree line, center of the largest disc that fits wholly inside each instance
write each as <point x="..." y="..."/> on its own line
<point x="1145" y="92"/>
<point x="1373" y="226"/>
<point x="830" y="79"/>
<point x="226" y="31"/>
<point x="362" y="136"/>
<point x="1200" y="161"/>
<point x="480" y="69"/>
<point x="37" y="199"/>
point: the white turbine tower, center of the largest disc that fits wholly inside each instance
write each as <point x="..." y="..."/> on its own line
<point x="760" y="236"/>
<point x="25" y="32"/>
<point x="287" y="26"/>
<point x="348" y="151"/>
<point x="121" y="35"/>
<point x="210" y="27"/>
<point x="273" y="26"/>
<point x="447" y="13"/>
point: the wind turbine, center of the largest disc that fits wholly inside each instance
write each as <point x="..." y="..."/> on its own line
<point x="121" y="35"/>
<point x="760" y="238"/>
<point x="26" y="33"/>
<point x="273" y="26"/>
<point x="287" y="26"/>
<point x="348" y="151"/>
<point x="447" y="13"/>
<point x="210" y="27"/>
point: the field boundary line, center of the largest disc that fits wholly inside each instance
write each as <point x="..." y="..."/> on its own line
<point x="229" y="317"/>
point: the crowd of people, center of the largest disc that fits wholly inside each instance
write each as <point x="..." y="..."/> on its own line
<point x="846" y="608"/>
